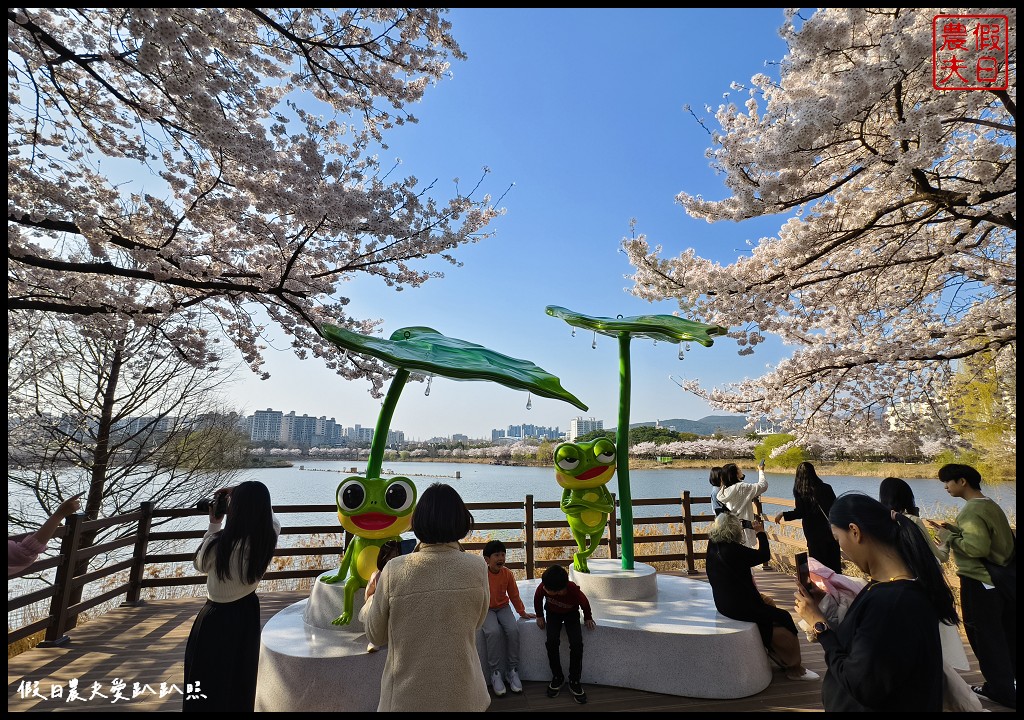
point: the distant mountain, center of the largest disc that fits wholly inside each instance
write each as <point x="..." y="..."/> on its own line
<point x="724" y="424"/>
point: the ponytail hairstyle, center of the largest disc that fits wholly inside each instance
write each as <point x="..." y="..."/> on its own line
<point x="901" y="534"/>
<point x="896" y="494"/>
<point x="249" y="527"/>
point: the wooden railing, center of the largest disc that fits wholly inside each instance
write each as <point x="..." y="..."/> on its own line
<point x="686" y="510"/>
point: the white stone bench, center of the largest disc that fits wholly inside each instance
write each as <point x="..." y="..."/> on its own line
<point x="309" y="665"/>
<point x="673" y="641"/>
<point x="669" y="639"/>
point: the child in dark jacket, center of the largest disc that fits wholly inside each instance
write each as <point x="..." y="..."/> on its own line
<point x="564" y="602"/>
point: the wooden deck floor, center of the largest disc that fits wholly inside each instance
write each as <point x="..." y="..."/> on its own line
<point x="145" y="646"/>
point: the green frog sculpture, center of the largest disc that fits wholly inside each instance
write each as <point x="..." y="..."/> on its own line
<point x="374" y="511"/>
<point x="583" y="470"/>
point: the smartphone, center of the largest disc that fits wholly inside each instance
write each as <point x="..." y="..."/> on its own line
<point x="803" y="571"/>
<point x="390" y="549"/>
<point x="761" y="464"/>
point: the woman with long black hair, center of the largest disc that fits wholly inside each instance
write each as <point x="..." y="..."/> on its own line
<point x="222" y="654"/>
<point x="814" y="497"/>
<point x="885" y="655"/>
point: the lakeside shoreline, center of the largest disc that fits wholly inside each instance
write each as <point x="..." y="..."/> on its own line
<point x="879" y="470"/>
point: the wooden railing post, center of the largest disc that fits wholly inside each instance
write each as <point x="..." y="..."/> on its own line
<point x="691" y="567"/>
<point x="528" y="537"/>
<point x="62" y="582"/>
<point x="612" y="534"/>
<point x="139" y="559"/>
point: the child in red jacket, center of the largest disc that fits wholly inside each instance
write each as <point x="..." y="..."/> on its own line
<point x="564" y="602"/>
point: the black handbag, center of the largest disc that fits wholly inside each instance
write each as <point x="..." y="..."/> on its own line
<point x="1004" y="577"/>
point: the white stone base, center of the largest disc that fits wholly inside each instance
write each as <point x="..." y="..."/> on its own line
<point x="674" y="643"/>
<point x="327" y="602"/>
<point x="309" y="669"/>
<point x="607" y="579"/>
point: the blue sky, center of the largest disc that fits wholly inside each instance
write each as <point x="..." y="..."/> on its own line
<point x="583" y="111"/>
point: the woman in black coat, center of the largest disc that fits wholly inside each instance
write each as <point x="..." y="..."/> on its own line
<point x="814" y="498"/>
<point x="728" y="565"/>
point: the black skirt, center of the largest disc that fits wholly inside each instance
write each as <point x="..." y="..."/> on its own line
<point x="222" y="657"/>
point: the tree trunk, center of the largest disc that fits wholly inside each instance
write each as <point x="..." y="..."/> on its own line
<point x="101" y="459"/>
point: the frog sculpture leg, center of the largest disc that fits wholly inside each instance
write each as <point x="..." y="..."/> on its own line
<point x="583" y="470"/>
<point x="374" y="511"/>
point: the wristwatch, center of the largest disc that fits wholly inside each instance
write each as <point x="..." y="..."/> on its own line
<point x="819" y="628"/>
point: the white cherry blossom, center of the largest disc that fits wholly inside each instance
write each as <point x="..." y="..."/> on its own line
<point x="223" y="162"/>
<point x="898" y="259"/>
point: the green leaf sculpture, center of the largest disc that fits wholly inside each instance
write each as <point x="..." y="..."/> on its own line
<point x="426" y="350"/>
<point x="656" y="327"/>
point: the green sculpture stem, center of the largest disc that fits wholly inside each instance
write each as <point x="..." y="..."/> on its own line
<point x="622" y="454"/>
<point x="380" y="432"/>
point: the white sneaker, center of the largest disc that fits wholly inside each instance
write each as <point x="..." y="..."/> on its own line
<point x="807" y="675"/>
<point x="513" y="681"/>
<point x="497" y="683"/>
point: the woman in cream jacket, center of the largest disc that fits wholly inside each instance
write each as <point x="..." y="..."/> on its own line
<point x="427" y="607"/>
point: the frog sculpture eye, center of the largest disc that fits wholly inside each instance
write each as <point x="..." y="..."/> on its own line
<point x="568" y="458"/>
<point x="604" y="451"/>
<point x="399" y="495"/>
<point x="351" y="495"/>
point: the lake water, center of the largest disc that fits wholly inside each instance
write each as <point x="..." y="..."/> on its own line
<point x="317" y="481"/>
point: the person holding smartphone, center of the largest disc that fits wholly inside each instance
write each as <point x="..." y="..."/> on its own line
<point x="982" y="532"/>
<point x="427" y="607"/>
<point x="885" y="655"/>
<point x="738" y="497"/>
<point x="729" y="562"/>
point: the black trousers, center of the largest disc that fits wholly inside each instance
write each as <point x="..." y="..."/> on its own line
<point x="222" y="657"/>
<point x="553" y="625"/>
<point x="991" y="624"/>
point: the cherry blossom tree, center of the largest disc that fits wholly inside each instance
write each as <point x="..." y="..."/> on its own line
<point x="223" y="162"/>
<point x="896" y="258"/>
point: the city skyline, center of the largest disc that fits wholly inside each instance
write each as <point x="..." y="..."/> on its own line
<point x="364" y="432"/>
<point x="576" y="427"/>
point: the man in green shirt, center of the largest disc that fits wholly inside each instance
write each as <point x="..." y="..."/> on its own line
<point x="982" y="531"/>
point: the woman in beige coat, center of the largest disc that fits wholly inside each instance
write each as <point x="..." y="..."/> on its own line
<point x="427" y="607"/>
